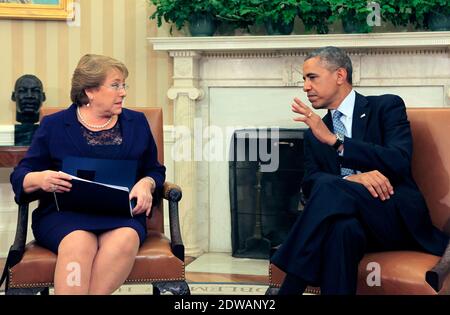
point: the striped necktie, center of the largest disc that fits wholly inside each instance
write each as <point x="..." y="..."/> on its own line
<point x="340" y="128"/>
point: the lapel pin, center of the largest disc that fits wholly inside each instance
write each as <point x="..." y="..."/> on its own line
<point x="363" y="115"/>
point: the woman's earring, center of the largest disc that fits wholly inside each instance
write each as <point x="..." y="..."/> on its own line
<point x="87" y="105"/>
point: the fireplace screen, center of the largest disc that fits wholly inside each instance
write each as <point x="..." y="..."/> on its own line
<point x="266" y="171"/>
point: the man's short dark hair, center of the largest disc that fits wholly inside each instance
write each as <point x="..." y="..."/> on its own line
<point x="333" y="58"/>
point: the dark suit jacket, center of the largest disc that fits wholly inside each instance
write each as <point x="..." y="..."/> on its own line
<point x="59" y="135"/>
<point x="381" y="140"/>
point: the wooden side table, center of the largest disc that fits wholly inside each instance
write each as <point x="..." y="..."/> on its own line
<point x="11" y="155"/>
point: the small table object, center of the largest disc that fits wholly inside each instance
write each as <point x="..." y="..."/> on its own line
<point x="10" y="156"/>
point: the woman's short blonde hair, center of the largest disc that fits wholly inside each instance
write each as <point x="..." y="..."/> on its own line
<point x="91" y="72"/>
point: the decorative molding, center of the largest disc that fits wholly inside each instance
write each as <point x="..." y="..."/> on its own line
<point x="6" y="135"/>
<point x="359" y="52"/>
<point x="253" y="54"/>
<point x="185" y="68"/>
<point x="356" y="64"/>
<point x="194" y="94"/>
<point x="185" y="53"/>
<point x="292" y="72"/>
<point x="414" y="41"/>
<point x="405" y="51"/>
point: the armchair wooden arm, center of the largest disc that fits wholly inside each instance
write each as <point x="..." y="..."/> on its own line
<point x="173" y="194"/>
<point x="437" y="275"/>
<point x="17" y="249"/>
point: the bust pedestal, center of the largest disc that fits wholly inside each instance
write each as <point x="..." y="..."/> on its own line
<point x="23" y="134"/>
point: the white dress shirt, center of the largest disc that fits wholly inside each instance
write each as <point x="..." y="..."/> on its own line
<point x="346" y="108"/>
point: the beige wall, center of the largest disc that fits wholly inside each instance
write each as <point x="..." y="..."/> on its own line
<point x="51" y="50"/>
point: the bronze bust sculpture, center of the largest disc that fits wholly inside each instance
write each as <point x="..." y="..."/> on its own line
<point x="29" y="96"/>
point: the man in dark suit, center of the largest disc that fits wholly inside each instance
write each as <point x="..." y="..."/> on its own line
<point x="360" y="192"/>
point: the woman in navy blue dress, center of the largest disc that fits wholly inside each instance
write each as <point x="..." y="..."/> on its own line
<point x="95" y="253"/>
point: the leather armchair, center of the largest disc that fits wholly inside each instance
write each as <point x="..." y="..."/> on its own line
<point x="412" y="272"/>
<point x="160" y="261"/>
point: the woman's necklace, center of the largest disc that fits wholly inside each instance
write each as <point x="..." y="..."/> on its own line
<point x="93" y="126"/>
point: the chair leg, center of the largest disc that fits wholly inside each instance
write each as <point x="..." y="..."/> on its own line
<point x="174" y="287"/>
<point x="27" y="291"/>
<point x="46" y="291"/>
<point x="272" y="291"/>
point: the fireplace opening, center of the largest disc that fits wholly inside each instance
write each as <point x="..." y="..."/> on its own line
<point x="265" y="171"/>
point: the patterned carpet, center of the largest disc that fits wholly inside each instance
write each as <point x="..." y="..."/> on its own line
<point x="198" y="288"/>
<point x="227" y="288"/>
<point x="204" y="288"/>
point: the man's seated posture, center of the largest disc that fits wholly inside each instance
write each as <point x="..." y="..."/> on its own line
<point x="361" y="196"/>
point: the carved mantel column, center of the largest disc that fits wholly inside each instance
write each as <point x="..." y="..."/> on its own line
<point x="185" y="93"/>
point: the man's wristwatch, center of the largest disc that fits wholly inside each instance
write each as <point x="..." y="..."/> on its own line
<point x="339" y="141"/>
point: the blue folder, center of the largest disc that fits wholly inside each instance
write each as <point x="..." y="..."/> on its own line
<point x="92" y="196"/>
<point x="112" y="172"/>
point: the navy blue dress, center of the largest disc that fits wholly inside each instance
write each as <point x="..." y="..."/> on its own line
<point x="50" y="226"/>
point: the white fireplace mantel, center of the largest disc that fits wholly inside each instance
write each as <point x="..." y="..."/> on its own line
<point x="422" y="40"/>
<point x="236" y="80"/>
